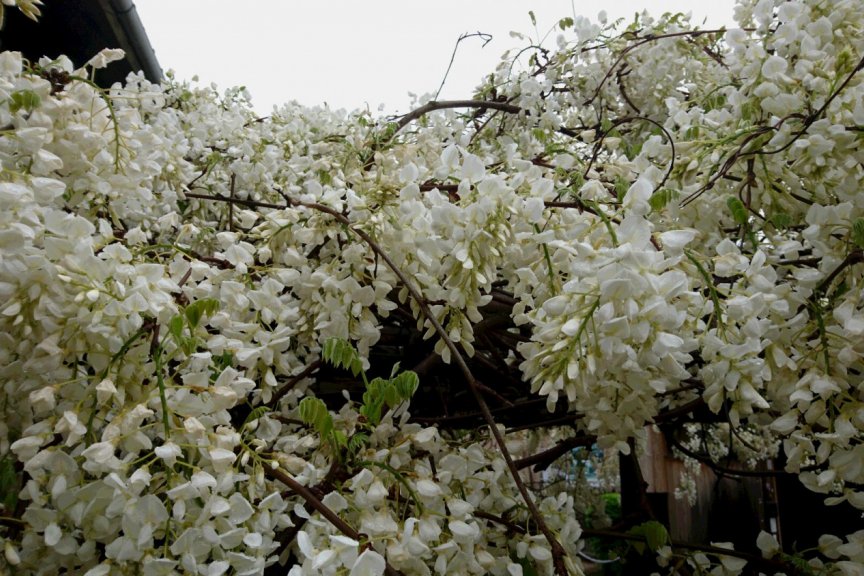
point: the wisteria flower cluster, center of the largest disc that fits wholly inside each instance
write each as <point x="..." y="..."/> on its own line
<point x="648" y="225"/>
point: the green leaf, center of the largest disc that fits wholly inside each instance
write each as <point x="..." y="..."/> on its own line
<point x="175" y="327"/>
<point x="193" y="314"/>
<point x="347" y="358"/>
<point x="373" y="400"/>
<point x="858" y="232"/>
<point x="342" y="354"/>
<point x="26" y="100"/>
<point x="662" y="198"/>
<point x="527" y="564"/>
<point x="394" y="371"/>
<point x="406" y="384"/>
<point x="372" y="411"/>
<point x="390" y="130"/>
<point x="339" y="438"/>
<point x="739" y="211"/>
<point x="391" y="396"/>
<point x="329" y="347"/>
<point x="256" y="414"/>
<point x="532" y="17"/>
<point x="655" y="534"/>
<point x="357" y="442"/>
<point x="621" y="187"/>
<point x="844" y="61"/>
<point x="565" y="23"/>
<point x="10" y="484"/>
<point x="374" y="390"/>
<point x="223" y="361"/>
<point x="781" y="220"/>
<point x="576" y="183"/>
<point x="313" y="412"/>
<point x="605" y="126"/>
<point x="196" y="310"/>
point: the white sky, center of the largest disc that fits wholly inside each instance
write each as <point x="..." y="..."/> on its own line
<point x="352" y="54"/>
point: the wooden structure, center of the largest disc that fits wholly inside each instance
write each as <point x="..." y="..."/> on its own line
<point x="80" y="29"/>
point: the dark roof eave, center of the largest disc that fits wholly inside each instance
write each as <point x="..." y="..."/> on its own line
<point x="123" y="15"/>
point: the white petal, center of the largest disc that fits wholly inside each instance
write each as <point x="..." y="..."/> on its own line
<point x="473" y="168"/>
<point x="52" y="534"/>
<point x="323" y="559"/>
<point x="253" y="540"/>
<point x="305" y="544"/>
<point x="428" y="488"/>
<point x="369" y="563"/>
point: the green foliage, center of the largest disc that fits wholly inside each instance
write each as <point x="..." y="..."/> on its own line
<point x="389" y="131"/>
<point x="738" y="210"/>
<point x="390" y="393"/>
<point x="662" y="198"/>
<point x="781" y="220"/>
<point x="576" y="181"/>
<point x="196" y="310"/>
<point x="26" y="100"/>
<point x="380" y="394"/>
<point x="222" y="361"/>
<point x="342" y="354"/>
<point x="742" y="217"/>
<point x="10" y="484"/>
<point x="356" y="442"/>
<point x="313" y="412"/>
<point x="612" y="505"/>
<point x="256" y="414"/>
<point x="527" y="564"/>
<point x="858" y="233"/>
<point x="621" y="187"/>
<point x="655" y="534"/>
<point x="190" y="319"/>
<point x="844" y="63"/>
<point x="717" y="315"/>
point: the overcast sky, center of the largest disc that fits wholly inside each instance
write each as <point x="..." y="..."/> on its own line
<point x="351" y="54"/>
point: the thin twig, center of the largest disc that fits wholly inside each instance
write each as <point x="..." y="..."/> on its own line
<point x="321" y="508"/>
<point x="854" y="257"/>
<point x="544" y="459"/>
<point x="449" y="104"/>
<point x="482" y="104"/>
<point x="486" y="39"/>
<point x="241" y="201"/>
<point x="642" y="41"/>
<point x="293" y="382"/>
<point x="12" y="522"/>
<point x="558" y="551"/>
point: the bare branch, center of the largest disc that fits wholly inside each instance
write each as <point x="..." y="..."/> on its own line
<point x="321" y="508"/>
<point x="558" y="551"/>
<point x="543" y="460"/>
<point x="482" y="35"/>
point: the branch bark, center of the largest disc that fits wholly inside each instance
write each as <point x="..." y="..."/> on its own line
<point x="321" y="508"/>
<point x="558" y="551"/>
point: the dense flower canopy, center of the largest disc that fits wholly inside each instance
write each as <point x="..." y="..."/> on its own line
<point x="673" y="218"/>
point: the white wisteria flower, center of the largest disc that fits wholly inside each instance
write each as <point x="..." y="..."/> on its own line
<point x="640" y="227"/>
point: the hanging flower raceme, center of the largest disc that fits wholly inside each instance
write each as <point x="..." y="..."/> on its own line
<point x="200" y="310"/>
